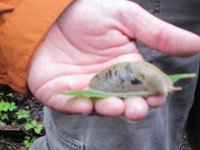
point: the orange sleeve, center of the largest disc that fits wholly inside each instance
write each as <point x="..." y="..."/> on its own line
<point x="23" y="24"/>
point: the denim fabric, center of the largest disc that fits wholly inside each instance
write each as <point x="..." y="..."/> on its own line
<point x="193" y="124"/>
<point x="163" y="128"/>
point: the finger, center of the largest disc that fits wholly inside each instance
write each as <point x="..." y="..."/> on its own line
<point x="68" y="104"/>
<point x="50" y="94"/>
<point x="110" y="106"/>
<point x="158" y="34"/>
<point x="156" y="101"/>
<point x="136" y="108"/>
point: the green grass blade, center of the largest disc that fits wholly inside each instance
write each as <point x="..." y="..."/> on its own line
<point x="177" y="77"/>
<point x="100" y="94"/>
<point x="86" y="93"/>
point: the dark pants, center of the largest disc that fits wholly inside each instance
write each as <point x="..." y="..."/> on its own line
<point x="163" y="128"/>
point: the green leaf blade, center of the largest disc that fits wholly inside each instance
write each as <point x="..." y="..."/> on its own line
<point x="177" y="77"/>
<point x="86" y="93"/>
<point x="28" y="126"/>
<point x="39" y="128"/>
<point x="100" y="94"/>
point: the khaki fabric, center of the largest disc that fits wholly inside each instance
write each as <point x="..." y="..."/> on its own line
<point x="23" y="25"/>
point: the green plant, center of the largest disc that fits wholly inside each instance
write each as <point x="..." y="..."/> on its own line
<point x="28" y="141"/>
<point x="10" y="113"/>
<point x="30" y="125"/>
<point x="5" y="108"/>
<point x="23" y="114"/>
<point x="34" y="125"/>
<point x="3" y="118"/>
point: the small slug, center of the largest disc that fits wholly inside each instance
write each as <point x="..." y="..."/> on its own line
<point x="133" y="76"/>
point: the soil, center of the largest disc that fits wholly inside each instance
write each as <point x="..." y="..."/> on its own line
<point x="7" y="144"/>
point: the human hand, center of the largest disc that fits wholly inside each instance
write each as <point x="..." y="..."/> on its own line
<point x="91" y="35"/>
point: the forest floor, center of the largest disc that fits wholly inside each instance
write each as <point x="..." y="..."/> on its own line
<point x="21" y="121"/>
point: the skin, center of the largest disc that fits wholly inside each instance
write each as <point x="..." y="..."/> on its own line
<point x="88" y="37"/>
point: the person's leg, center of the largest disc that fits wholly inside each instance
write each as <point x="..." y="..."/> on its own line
<point x="40" y="144"/>
<point x="56" y="137"/>
<point x="193" y="124"/>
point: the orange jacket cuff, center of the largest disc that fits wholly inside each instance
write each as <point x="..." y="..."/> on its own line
<point x="21" y="31"/>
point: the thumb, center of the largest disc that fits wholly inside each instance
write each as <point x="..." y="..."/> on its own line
<point x="158" y="34"/>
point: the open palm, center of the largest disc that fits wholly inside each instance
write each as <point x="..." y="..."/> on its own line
<point x="93" y="34"/>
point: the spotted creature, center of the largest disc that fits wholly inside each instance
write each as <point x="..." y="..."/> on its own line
<point x="133" y="77"/>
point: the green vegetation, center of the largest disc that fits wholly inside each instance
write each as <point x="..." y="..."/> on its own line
<point x="13" y="114"/>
